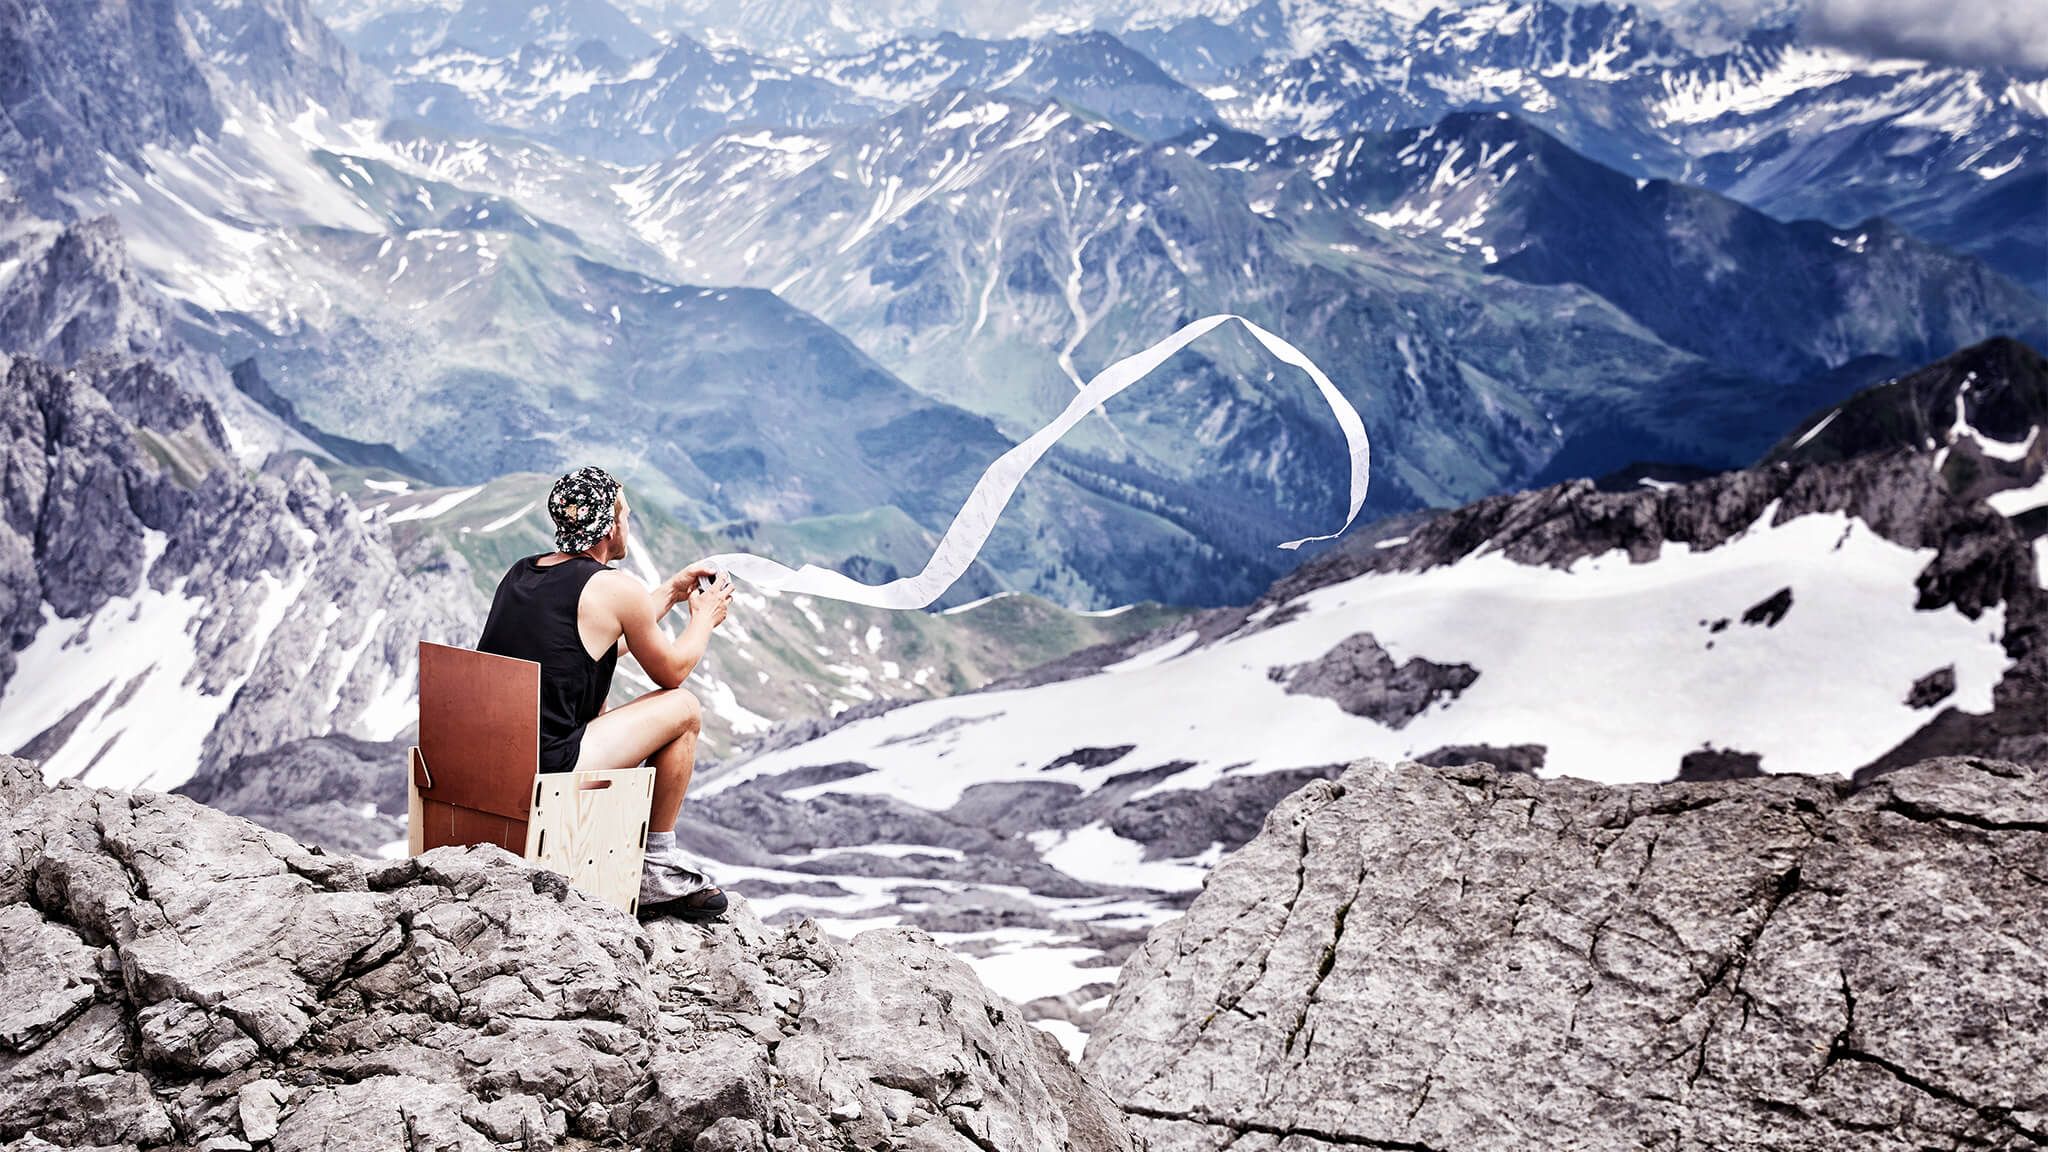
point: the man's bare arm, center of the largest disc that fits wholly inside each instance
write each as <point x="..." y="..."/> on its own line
<point x="662" y="599"/>
<point x="668" y="662"/>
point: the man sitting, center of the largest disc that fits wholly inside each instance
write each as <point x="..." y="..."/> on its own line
<point x="574" y="614"/>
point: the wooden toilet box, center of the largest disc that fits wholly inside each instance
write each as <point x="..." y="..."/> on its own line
<point x="475" y="779"/>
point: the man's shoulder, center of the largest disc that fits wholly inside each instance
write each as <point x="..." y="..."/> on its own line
<point x="612" y="584"/>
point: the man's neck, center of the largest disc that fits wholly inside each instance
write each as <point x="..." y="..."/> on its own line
<point x="554" y="558"/>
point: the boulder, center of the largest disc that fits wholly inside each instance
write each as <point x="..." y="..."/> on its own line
<point x="1461" y="958"/>
<point x="178" y="976"/>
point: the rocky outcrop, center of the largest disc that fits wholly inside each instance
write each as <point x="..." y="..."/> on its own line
<point x="283" y="54"/>
<point x="982" y="846"/>
<point x="303" y="618"/>
<point x="92" y="80"/>
<point x="1458" y="958"/>
<point x="82" y="488"/>
<point x="1899" y="495"/>
<point x="178" y="977"/>
<point x="1364" y="680"/>
<point x="1999" y="387"/>
<point x="72" y="291"/>
<point x="1526" y="758"/>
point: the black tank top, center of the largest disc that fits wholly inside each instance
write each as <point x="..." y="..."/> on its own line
<point x="533" y="617"/>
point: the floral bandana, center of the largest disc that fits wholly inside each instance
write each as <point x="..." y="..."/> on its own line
<point x="582" y="504"/>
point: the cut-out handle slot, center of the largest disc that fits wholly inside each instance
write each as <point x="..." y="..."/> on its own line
<point x="592" y="785"/>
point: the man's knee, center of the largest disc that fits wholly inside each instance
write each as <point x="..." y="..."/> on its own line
<point x="688" y="711"/>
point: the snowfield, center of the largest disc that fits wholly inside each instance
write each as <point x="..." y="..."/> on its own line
<point x="1616" y="668"/>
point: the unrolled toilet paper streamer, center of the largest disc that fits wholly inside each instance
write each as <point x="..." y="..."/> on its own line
<point x="977" y="518"/>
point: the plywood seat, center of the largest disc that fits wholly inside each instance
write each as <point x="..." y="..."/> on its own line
<point x="475" y="779"/>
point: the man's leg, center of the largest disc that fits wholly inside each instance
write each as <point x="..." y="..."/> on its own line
<point x="673" y="763"/>
<point x="665" y="726"/>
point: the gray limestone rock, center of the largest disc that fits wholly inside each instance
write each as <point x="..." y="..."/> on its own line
<point x="732" y="1134"/>
<point x="1459" y="958"/>
<point x="282" y="53"/>
<point x="73" y="293"/>
<point x="175" y="973"/>
<point x="87" y="78"/>
<point x="1719" y="764"/>
<point x="48" y="977"/>
<point x="1362" y="678"/>
<point x="1933" y="688"/>
<point x="94" y="80"/>
<point x="259" y="1104"/>
<point x="1527" y="758"/>
<point x="884" y="1049"/>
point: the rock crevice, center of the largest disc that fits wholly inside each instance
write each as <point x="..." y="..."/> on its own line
<point x="1768" y="962"/>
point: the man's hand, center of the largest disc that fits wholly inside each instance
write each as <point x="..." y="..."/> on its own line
<point x="711" y="603"/>
<point x="683" y="583"/>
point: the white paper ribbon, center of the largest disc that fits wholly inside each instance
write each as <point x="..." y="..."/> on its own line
<point x="977" y="518"/>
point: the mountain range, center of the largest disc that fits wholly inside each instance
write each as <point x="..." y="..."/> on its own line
<point x="1796" y="130"/>
<point x="1793" y="128"/>
<point x="451" y="281"/>
<point x="298" y="321"/>
<point x="183" y="584"/>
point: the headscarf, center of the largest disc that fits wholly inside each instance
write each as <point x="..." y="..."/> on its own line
<point x="582" y="504"/>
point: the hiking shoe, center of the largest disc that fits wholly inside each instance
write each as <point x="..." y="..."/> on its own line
<point x="668" y="888"/>
<point x="701" y="906"/>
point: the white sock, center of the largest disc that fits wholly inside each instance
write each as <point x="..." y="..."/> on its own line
<point x="661" y="845"/>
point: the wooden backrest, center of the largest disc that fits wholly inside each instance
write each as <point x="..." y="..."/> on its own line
<point x="476" y="779"/>
<point x="479" y="732"/>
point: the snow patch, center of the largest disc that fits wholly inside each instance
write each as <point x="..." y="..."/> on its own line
<point x="1816" y="430"/>
<point x="438" y="508"/>
<point x="148" y="727"/>
<point x="1152" y="657"/>
<point x="2014" y="501"/>
<point x="508" y="521"/>
<point x="1094" y="854"/>
<point x="971" y="605"/>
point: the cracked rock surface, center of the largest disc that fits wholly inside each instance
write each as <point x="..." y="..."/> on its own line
<point x="1458" y="958"/>
<point x="177" y="977"/>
